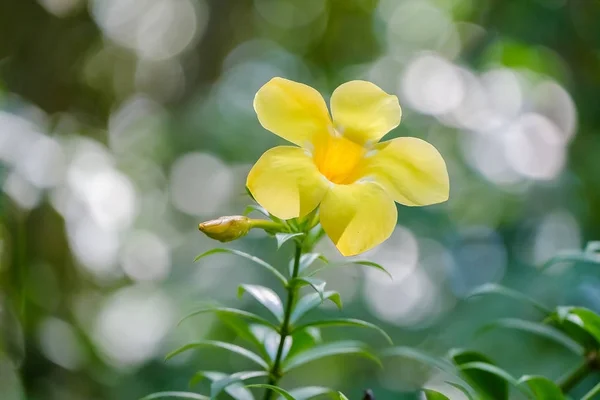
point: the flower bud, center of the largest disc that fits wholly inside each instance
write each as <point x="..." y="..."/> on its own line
<point x="226" y="229"/>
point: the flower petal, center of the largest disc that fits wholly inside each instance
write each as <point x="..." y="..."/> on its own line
<point x="410" y="169"/>
<point x="363" y="112"/>
<point x="286" y="182"/>
<point x="292" y="110"/>
<point x="357" y="217"/>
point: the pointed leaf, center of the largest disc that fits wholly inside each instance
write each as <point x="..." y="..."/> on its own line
<point x="492" y="288"/>
<point x="461" y="388"/>
<point x="222" y="345"/>
<point x="317" y="284"/>
<point x="584" y="318"/>
<point x="326" y="350"/>
<point x="232" y="312"/>
<point x="277" y="389"/>
<point x="234" y="389"/>
<point x="255" y="207"/>
<point x="269" y="341"/>
<point x="490" y="369"/>
<point x="306" y="260"/>
<point x="364" y="263"/>
<point x="345" y="322"/>
<point x="264" y="296"/>
<point x="247" y="256"/>
<point x="342" y="396"/>
<point x="311" y="301"/>
<point x="223" y="383"/>
<point x="538" y="329"/>
<point x="175" y="395"/>
<point x="434" y="395"/>
<point x="542" y="387"/>
<point x="284" y="237"/>
<point x="304" y="340"/>
<point x="422" y="357"/>
<point x="488" y="384"/>
<point x="308" y="392"/>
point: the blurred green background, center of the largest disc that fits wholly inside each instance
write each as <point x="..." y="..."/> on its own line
<point x="125" y="123"/>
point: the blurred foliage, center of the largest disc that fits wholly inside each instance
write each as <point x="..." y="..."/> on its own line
<point x="125" y="123"/>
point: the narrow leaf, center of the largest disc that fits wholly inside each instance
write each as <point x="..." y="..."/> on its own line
<point x="584" y="318"/>
<point x="490" y="369"/>
<point x="422" y="357"/>
<point x="492" y="288"/>
<point x="369" y="264"/>
<point x="342" y="396"/>
<point x="308" y="392"/>
<point x="538" y="329"/>
<point x="177" y="395"/>
<point x="264" y="296"/>
<point x="461" y="388"/>
<point x="277" y="389"/>
<point x="284" y="237"/>
<point x="231" y="312"/>
<point x="306" y="260"/>
<point x="257" y="208"/>
<point x="541" y="387"/>
<point x="317" y="284"/>
<point x="269" y="340"/>
<point x="345" y="322"/>
<point x="222" y="345"/>
<point x="247" y="256"/>
<point x="434" y="395"/>
<point x="326" y="350"/>
<point x="223" y="384"/>
<point x="487" y="383"/>
<point x="593" y="393"/>
<point x="311" y="301"/>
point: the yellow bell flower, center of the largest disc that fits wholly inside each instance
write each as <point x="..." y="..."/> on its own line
<point x="339" y="164"/>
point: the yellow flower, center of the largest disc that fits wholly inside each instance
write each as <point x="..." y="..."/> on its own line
<point x="339" y="164"/>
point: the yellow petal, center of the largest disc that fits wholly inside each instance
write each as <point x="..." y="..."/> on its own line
<point x="410" y="169"/>
<point x="286" y="182"/>
<point x="363" y="112"/>
<point x="292" y="110"/>
<point x="357" y="217"/>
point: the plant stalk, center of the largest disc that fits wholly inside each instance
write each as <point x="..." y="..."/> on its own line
<point x="580" y="373"/>
<point x="275" y="373"/>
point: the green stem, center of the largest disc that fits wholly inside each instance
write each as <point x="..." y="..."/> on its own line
<point x="275" y="372"/>
<point x="572" y="379"/>
<point x="590" y="395"/>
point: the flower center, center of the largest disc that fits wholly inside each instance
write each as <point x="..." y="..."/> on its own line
<point x="337" y="158"/>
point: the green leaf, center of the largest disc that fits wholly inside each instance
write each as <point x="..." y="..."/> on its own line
<point x="342" y="396"/>
<point x="422" y="357"/>
<point x="264" y="296"/>
<point x="434" y="395"/>
<point x="304" y="340"/>
<point x="461" y="388"/>
<point x="222" y="345"/>
<point x="313" y="300"/>
<point x="284" y="237"/>
<point x="269" y="340"/>
<point x="178" y="395"/>
<point x="349" y="263"/>
<point x="257" y="208"/>
<point x="538" y="329"/>
<point x="317" y="284"/>
<point x="346" y="322"/>
<point x="247" y="256"/>
<point x="489" y="383"/>
<point x="277" y="389"/>
<point x="593" y="393"/>
<point x="224" y="383"/>
<point x="306" y="260"/>
<point x="326" y="350"/>
<point x="308" y="392"/>
<point x="492" y="288"/>
<point x="232" y="312"/>
<point x="582" y="317"/>
<point x="541" y="387"/>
